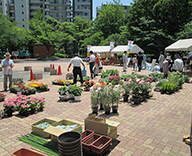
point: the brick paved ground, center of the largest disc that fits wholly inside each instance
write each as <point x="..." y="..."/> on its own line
<point x="154" y="128"/>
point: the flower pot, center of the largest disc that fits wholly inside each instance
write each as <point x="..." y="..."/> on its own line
<point x="101" y="106"/>
<point x="9" y="112"/>
<point x="115" y="109"/>
<point x="94" y="110"/>
<point x="2" y="99"/>
<point x="125" y="97"/>
<point x="107" y="110"/>
<point x="25" y="113"/>
<point x="77" y="98"/>
<point x="136" y="99"/>
<point x="32" y="111"/>
<point x="40" y="109"/>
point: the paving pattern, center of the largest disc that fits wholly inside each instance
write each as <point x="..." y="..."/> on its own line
<point x="154" y="128"/>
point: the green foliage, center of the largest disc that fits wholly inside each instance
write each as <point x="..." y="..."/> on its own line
<point x="112" y="72"/>
<point x="63" y="90"/>
<point x="104" y="74"/>
<point x="75" y="90"/>
<point x="61" y="55"/>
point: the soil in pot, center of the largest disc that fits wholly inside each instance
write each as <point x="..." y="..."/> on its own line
<point x="101" y="106"/>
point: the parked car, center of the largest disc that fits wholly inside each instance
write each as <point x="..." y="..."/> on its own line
<point x="24" y="53"/>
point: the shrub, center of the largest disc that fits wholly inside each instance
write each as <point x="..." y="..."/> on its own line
<point x="61" y="55"/>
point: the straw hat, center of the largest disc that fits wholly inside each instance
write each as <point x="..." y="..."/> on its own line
<point x="168" y="58"/>
<point x="7" y="54"/>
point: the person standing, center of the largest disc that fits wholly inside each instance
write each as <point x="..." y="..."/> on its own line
<point x="76" y="61"/>
<point x="135" y="62"/>
<point x="161" y="59"/>
<point x="144" y="60"/>
<point x="124" y="61"/>
<point x="139" y="58"/>
<point x="7" y="64"/>
<point x="165" y="66"/>
<point x="178" y="64"/>
<point x="91" y="64"/>
<point x="97" y="61"/>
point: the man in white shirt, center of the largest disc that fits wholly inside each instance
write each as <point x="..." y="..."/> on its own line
<point x="124" y="61"/>
<point x="7" y="64"/>
<point x="76" y="61"/>
<point x="91" y="64"/>
<point x="178" y="64"/>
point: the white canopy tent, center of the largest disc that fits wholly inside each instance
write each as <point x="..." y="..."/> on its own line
<point x="100" y="49"/>
<point x="122" y="48"/>
<point x="180" y="45"/>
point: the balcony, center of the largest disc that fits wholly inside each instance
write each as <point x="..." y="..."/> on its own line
<point x="36" y="2"/>
<point x="85" y="3"/>
<point x="12" y="11"/>
<point x="47" y="3"/>
<point x="46" y="9"/>
<point x="11" y="4"/>
<point x="35" y="7"/>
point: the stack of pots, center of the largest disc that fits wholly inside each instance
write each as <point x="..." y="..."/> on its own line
<point x="69" y="144"/>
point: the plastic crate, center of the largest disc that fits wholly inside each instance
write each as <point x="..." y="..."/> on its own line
<point x="87" y="143"/>
<point x="26" y="152"/>
<point x="85" y="134"/>
<point x="100" y="144"/>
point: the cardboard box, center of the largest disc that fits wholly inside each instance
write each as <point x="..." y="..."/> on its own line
<point x="55" y="132"/>
<point x="40" y="131"/>
<point x="102" y="127"/>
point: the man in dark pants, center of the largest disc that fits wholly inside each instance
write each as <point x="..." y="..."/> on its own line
<point x="91" y="64"/>
<point x="139" y="58"/>
<point x="76" y="61"/>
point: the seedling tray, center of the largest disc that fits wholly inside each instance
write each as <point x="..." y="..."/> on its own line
<point x="86" y="134"/>
<point x="87" y="143"/>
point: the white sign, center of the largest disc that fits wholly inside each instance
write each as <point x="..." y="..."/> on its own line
<point x="88" y="48"/>
<point x="129" y="46"/>
<point x="111" y="45"/>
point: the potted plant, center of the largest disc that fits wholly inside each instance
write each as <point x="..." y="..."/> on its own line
<point x="127" y="85"/>
<point x="104" y="75"/>
<point x="94" y="102"/>
<point x="88" y="84"/>
<point x="40" y="103"/>
<point x="9" y="107"/>
<point x="145" y="89"/>
<point x="63" y="91"/>
<point x="76" y="91"/>
<point x="106" y="98"/>
<point x="136" y="90"/>
<point x="115" y="94"/>
<point x="114" y="79"/>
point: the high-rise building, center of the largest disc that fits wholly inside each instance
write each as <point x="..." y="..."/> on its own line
<point x="4" y="7"/>
<point x="83" y="8"/>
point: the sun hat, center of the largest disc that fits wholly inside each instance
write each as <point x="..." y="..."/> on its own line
<point x="7" y="54"/>
<point x="168" y="58"/>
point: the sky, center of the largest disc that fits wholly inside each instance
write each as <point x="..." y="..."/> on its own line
<point x="99" y="2"/>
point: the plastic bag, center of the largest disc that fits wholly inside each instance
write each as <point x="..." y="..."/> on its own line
<point x="84" y="71"/>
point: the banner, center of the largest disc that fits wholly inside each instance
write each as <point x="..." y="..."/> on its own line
<point x="111" y="45"/>
<point x="129" y="47"/>
<point x="88" y="48"/>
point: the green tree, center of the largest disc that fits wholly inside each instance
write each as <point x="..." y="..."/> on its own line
<point x="111" y="17"/>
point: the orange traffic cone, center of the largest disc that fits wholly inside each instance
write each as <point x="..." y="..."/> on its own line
<point x="31" y="76"/>
<point x="59" y="71"/>
<point x="14" y="57"/>
<point x="53" y="67"/>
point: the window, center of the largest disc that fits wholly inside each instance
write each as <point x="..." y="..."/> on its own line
<point x="85" y="13"/>
<point x="22" y="12"/>
<point x="78" y="7"/>
<point x="22" y="6"/>
<point x="23" y="26"/>
<point x="23" y="19"/>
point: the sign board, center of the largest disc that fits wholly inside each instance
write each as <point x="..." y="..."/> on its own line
<point x="153" y="64"/>
<point x="88" y="48"/>
<point x="15" y="53"/>
<point x="129" y="47"/>
<point x="111" y="45"/>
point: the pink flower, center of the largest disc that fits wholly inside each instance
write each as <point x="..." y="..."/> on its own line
<point x="128" y="78"/>
<point x="150" y="77"/>
<point x="148" y="80"/>
<point x="148" y="83"/>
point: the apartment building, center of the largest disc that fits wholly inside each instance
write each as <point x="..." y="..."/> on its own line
<point x="83" y="8"/>
<point x="4" y="7"/>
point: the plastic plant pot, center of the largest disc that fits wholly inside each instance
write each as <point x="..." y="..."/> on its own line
<point x="86" y="134"/>
<point x="101" y="144"/>
<point x="87" y="143"/>
<point x="26" y="152"/>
